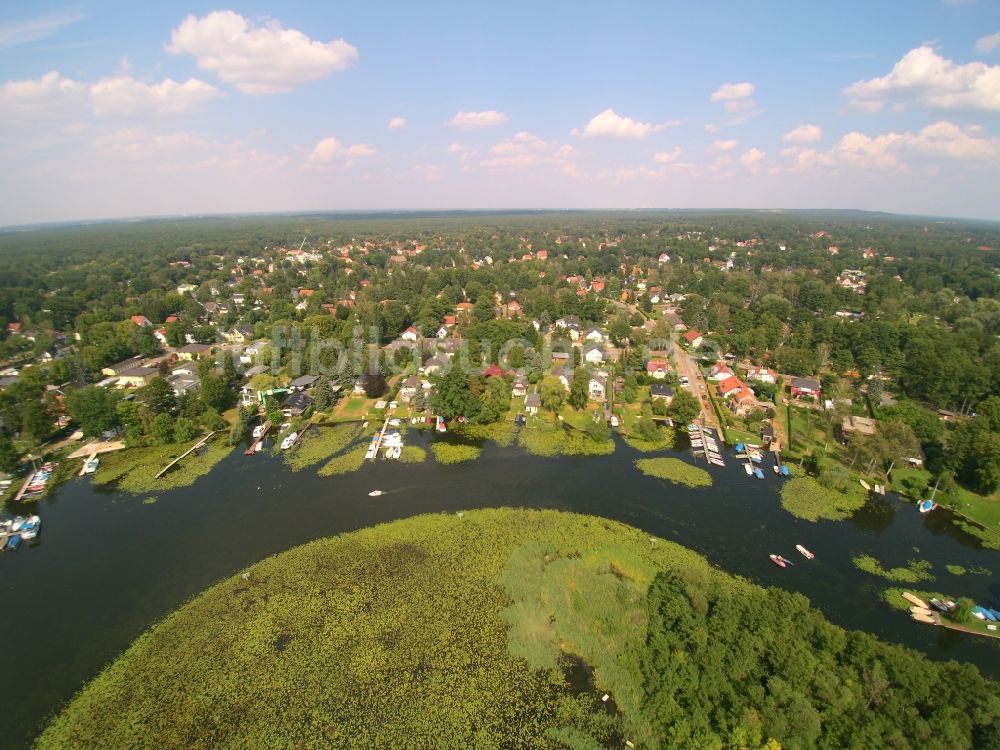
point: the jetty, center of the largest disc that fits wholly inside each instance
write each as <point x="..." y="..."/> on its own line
<point x="186" y="453"/>
<point x="253" y="445"/>
<point x="372" y="455"/>
<point x="703" y="443"/>
<point x="93" y="449"/>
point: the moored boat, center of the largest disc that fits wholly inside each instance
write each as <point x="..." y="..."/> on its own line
<point x="758" y="473"/>
<point x="945" y="605"/>
<point x="778" y="560"/>
<point x="865" y="484"/>
<point x="13" y="543"/>
<point x="926" y="506"/>
<point x="804" y="552"/>
<point x="17" y="523"/>
<point x="31" y="528"/>
<point x="257" y="432"/>
<point x="289" y="441"/>
<point x="748" y="468"/>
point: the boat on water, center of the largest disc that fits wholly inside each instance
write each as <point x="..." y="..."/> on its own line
<point x="784" y="471"/>
<point x="915" y="610"/>
<point x="758" y="473"/>
<point x="748" y="469"/>
<point x="375" y="493"/>
<point x="91" y="464"/>
<point x="779" y="561"/>
<point x="289" y="441"/>
<point x="983" y="613"/>
<point x="397" y="451"/>
<point x="716" y="461"/>
<point x="776" y="469"/>
<point x="912" y="599"/>
<point x="31" y="528"/>
<point x="13" y="543"/>
<point x="804" y="552"/>
<point x="441" y="427"/>
<point x="17" y="523"/>
<point x="868" y="487"/>
<point x="257" y="432"/>
<point x="926" y="506"/>
<point x="925" y="618"/>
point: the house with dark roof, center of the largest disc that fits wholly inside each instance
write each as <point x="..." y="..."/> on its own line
<point x="531" y="403"/>
<point x="661" y="390"/>
<point x="295" y="404"/>
<point x="808" y="387"/>
<point x="303" y="382"/>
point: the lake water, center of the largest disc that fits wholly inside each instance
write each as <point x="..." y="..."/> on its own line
<point x="107" y="566"/>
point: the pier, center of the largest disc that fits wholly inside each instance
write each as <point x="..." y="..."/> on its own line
<point x="253" y="445"/>
<point x="186" y="453"/>
<point x="378" y="443"/>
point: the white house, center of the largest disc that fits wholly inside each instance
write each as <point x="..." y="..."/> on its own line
<point x="762" y="374"/>
<point x="595" y="336"/>
<point x="410" y="334"/>
<point x="594" y="354"/>
<point x="597" y="387"/>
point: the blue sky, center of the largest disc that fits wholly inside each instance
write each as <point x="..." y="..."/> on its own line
<point x="111" y="109"/>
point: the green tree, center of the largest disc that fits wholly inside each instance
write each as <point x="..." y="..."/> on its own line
<point x="552" y="394"/>
<point x="213" y="391"/>
<point x="8" y="453"/>
<point x="162" y="430"/>
<point x="322" y="395"/>
<point x="35" y="421"/>
<point x="579" y="388"/>
<point x="684" y="407"/>
<point x="451" y="397"/>
<point x="157" y="396"/>
<point x="495" y="400"/>
<point x="184" y="430"/>
<point x="94" y="409"/>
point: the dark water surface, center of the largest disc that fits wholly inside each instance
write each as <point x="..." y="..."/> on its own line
<point x="106" y="566"/>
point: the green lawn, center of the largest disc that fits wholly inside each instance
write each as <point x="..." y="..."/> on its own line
<point x="352" y="408"/>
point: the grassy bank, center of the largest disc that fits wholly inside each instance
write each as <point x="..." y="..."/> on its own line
<point x="674" y="470"/>
<point x="556" y="441"/>
<point x="454" y="453"/>
<point x="134" y="469"/>
<point x="664" y="439"/>
<point x="806" y="498"/>
<point x="481" y="632"/>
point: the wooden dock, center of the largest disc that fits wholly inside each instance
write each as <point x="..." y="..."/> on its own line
<point x="253" y="446"/>
<point x="186" y="453"/>
<point x="381" y="434"/>
<point x="941" y="622"/>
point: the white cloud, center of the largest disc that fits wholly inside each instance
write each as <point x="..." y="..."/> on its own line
<point x="331" y="151"/>
<point x="722" y="147"/>
<point x="464" y="153"/>
<point x="526" y="150"/>
<point x="735" y="97"/>
<point x="397" y="123"/>
<point x="124" y="96"/>
<point x="924" y="76"/>
<point x="609" y="124"/>
<point x="988" y="43"/>
<point x="13" y="33"/>
<point x="803" y="134"/>
<point x="489" y="118"/>
<point x="51" y="95"/>
<point x="265" y="59"/>
<point x="666" y="157"/>
<point x="887" y="151"/>
<point x="711" y="127"/>
<point x="751" y="158"/>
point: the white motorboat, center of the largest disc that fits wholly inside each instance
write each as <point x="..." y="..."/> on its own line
<point x="397" y="451"/>
<point x="91" y="464"/>
<point x="31" y="528"/>
<point x="258" y="431"/>
<point x="289" y="441"/>
<point x="375" y="493"/>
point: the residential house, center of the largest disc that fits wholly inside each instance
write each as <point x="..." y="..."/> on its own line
<point x="693" y="338"/>
<point x="257" y="370"/>
<point x="658" y="368"/>
<point x="160" y="334"/>
<point x="598" y="386"/>
<point x="808" y="387"/>
<point x="409" y="388"/>
<point x="565" y="376"/>
<point x="594" y="354"/>
<point x="14" y="329"/>
<point x="742" y="402"/>
<point x="767" y="433"/>
<point x="860" y="425"/>
<point x="567" y="321"/>
<point x="183" y="379"/>
<point x="595" y="336"/>
<point x="661" y="390"/>
<point x="434" y="364"/>
<point x="186" y="288"/>
<point x="190" y="352"/>
<point x="729" y="386"/>
<point x="531" y="403"/>
<point x="303" y="383"/>
<point x="442" y="332"/>
<point x="252" y="352"/>
<point x="720" y="371"/>
<point x="119" y="367"/>
<point x="296" y="404"/>
<point x="762" y="374"/>
<point x="493" y="371"/>
<point x="142" y="321"/>
<point x="239" y="334"/>
<point x="410" y="334"/>
<point x="519" y="387"/>
<point x="136" y="377"/>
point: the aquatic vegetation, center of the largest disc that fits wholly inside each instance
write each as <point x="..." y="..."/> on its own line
<point x="150" y="500"/>
<point x="806" y="498"/>
<point x="387" y="637"/>
<point x="893" y="596"/>
<point x="312" y="449"/>
<point x="555" y="441"/>
<point x="345" y="463"/>
<point x="955" y="570"/>
<point x="502" y="432"/>
<point x="413" y="454"/>
<point x="134" y="469"/>
<point x="454" y="453"/>
<point x="674" y="470"/>
<point x="915" y="570"/>
<point x="979" y="570"/>
<point x="664" y="440"/>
